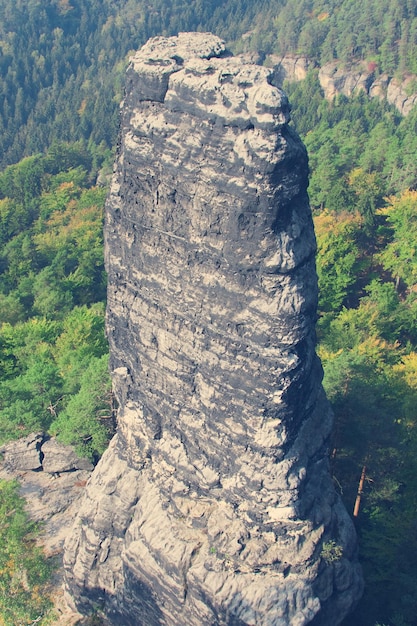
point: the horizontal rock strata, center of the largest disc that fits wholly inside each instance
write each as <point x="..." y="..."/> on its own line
<point x="214" y="501"/>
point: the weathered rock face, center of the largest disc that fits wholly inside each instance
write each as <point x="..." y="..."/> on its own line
<point x="214" y="500"/>
<point x="39" y="452"/>
<point x="336" y="79"/>
<point x="51" y="479"/>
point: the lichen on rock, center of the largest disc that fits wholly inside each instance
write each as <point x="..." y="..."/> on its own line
<point x="214" y="500"/>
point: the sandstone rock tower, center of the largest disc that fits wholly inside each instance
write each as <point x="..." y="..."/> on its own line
<point x="214" y="500"/>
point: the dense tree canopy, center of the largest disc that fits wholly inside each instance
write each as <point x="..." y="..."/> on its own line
<point x="62" y="61"/>
<point x="61" y="81"/>
<point x="52" y="288"/>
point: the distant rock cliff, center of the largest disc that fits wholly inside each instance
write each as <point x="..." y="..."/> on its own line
<point x="214" y="504"/>
<point x="336" y="78"/>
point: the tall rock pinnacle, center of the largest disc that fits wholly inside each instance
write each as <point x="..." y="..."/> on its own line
<point x="213" y="504"/>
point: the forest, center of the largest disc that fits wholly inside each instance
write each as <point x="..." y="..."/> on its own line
<point x="61" y="81"/>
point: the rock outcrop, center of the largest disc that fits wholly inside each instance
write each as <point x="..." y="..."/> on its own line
<point x="291" y="67"/>
<point x="52" y="478"/>
<point x="213" y="504"/>
<point x="336" y="79"/>
<point x="39" y="452"/>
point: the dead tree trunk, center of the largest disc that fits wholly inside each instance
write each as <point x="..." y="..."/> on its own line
<point x="359" y="494"/>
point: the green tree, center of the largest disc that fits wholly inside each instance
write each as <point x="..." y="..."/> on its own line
<point x="24" y="571"/>
<point x="339" y="258"/>
<point x="400" y="255"/>
<point x="87" y="421"/>
<point x="82" y="339"/>
<point x="34" y="383"/>
<point x="368" y="191"/>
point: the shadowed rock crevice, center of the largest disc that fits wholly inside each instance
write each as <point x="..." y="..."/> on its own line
<point x="214" y="500"/>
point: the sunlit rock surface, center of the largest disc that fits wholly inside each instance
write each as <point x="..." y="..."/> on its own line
<point x="214" y="500"/>
<point x="336" y="78"/>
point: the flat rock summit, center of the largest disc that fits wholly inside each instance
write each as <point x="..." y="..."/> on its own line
<point x="214" y="504"/>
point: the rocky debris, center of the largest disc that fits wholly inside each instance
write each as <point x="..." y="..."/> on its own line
<point x="214" y="500"/>
<point x="23" y="454"/>
<point x="58" y="458"/>
<point x="51" y="478"/>
<point x="39" y="452"/>
<point x="336" y="78"/>
<point x="52" y="496"/>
